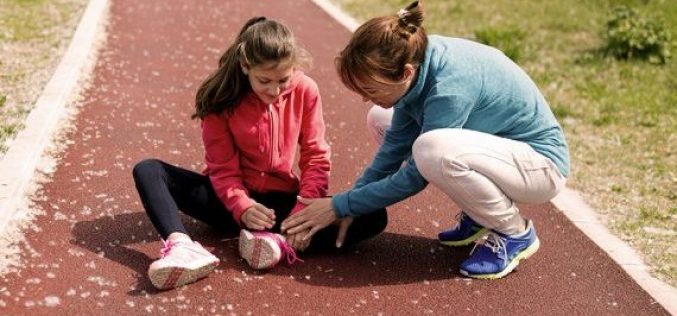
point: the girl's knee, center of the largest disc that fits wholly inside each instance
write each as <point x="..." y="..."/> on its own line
<point x="146" y="167"/>
<point x="380" y="221"/>
<point x="372" y="224"/>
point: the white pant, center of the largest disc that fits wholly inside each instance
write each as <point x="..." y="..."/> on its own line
<point x="483" y="174"/>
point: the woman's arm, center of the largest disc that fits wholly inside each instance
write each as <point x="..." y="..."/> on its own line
<point x="440" y="110"/>
<point x="395" y="149"/>
<point x="320" y="213"/>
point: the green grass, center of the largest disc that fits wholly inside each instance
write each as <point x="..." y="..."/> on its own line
<point x="619" y="116"/>
<point x="33" y="33"/>
<point x="31" y="19"/>
<point x="508" y="40"/>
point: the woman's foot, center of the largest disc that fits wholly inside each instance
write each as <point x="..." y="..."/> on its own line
<point x="499" y="254"/>
<point x="465" y="233"/>
<point x="182" y="261"/>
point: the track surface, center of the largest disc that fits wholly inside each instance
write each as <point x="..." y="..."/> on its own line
<point x="91" y="249"/>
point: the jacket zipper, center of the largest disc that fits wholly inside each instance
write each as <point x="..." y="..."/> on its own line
<point x="272" y="135"/>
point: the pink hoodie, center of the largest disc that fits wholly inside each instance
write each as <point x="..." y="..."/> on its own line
<point x="254" y="148"/>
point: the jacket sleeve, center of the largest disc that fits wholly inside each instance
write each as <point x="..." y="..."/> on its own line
<point x="386" y="181"/>
<point x="396" y="148"/>
<point x="223" y="165"/>
<point x="440" y="110"/>
<point x="314" y="160"/>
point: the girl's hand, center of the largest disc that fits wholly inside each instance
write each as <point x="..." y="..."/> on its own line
<point x="318" y="214"/>
<point x="258" y="217"/>
<point x="296" y="241"/>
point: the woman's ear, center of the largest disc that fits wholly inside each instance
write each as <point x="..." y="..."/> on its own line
<point x="409" y="72"/>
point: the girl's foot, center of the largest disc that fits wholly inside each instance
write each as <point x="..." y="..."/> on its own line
<point x="181" y="262"/>
<point x="264" y="250"/>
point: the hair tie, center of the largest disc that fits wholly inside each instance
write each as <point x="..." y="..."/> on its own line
<point x="402" y="13"/>
<point x="243" y="53"/>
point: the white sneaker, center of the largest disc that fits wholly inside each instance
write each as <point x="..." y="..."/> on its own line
<point x="263" y="250"/>
<point x="181" y="262"/>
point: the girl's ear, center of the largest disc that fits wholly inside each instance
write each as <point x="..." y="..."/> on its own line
<point x="245" y="69"/>
<point x="409" y="72"/>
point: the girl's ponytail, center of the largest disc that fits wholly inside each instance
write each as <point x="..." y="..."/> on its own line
<point x="219" y="89"/>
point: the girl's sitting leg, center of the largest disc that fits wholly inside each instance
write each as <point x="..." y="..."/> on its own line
<point x="164" y="189"/>
<point x="362" y="228"/>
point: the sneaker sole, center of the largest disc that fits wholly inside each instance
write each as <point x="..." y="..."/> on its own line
<point x="459" y="243"/>
<point x="525" y="254"/>
<point x="172" y="277"/>
<point x="260" y="253"/>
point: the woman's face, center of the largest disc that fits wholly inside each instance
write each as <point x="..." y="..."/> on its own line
<point x="270" y="79"/>
<point x="385" y="93"/>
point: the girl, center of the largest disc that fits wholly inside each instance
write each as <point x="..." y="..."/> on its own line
<point x="256" y="110"/>
<point x="466" y="119"/>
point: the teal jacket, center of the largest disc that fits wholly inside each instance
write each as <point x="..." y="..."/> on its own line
<point x="461" y="84"/>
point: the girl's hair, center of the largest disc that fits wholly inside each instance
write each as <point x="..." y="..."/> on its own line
<point x="260" y="41"/>
<point x="382" y="46"/>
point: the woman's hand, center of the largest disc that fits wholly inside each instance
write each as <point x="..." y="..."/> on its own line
<point x="258" y="217"/>
<point x="318" y="214"/>
<point x="344" y="224"/>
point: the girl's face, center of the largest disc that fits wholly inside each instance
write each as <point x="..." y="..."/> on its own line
<point x="385" y="93"/>
<point x="270" y="79"/>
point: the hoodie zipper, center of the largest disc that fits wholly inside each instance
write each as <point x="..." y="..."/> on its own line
<point x="272" y="135"/>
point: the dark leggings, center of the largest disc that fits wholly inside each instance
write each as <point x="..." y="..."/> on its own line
<point x="165" y="189"/>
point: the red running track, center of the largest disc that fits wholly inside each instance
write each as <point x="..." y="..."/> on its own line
<point x="91" y="248"/>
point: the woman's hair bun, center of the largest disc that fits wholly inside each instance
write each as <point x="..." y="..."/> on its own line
<point x="411" y="15"/>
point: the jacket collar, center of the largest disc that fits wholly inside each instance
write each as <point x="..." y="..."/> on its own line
<point x="412" y="96"/>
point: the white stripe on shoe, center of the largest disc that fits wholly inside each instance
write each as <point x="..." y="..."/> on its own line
<point x="260" y="251"/>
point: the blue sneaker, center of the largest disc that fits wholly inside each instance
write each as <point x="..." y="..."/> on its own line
<point x="466" y="232"/>
<point x="500" y="254"/>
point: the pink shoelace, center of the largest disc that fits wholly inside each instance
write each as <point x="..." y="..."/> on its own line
<point x="287" y="251"/>
<point x="166" y="247"/>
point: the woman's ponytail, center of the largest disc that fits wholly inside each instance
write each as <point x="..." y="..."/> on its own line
<point x="381" y="47"/>
<point x="411" y="17"/>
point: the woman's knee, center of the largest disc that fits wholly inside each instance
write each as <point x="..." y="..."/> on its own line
<point x="146" y="168"/>
<point x="378" y="121"/>
<point x="427" y="152"/>
<point x="438" y="149"/>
